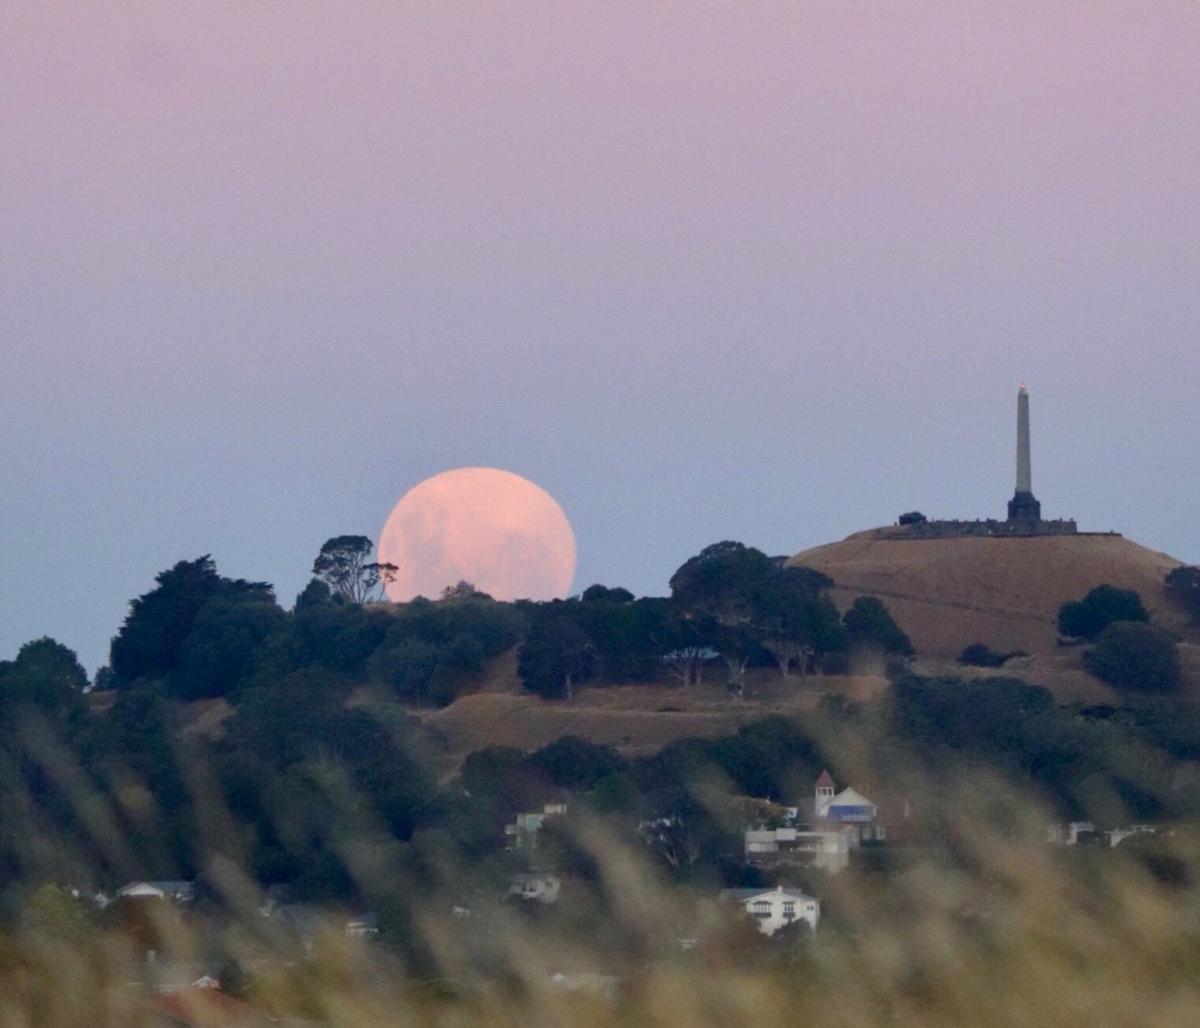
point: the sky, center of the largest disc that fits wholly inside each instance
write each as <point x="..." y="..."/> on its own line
<point x="763" y="271"/>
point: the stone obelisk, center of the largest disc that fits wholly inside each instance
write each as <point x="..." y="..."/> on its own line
<point x="1023" y="507"/>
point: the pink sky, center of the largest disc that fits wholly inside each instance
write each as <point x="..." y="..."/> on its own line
<point x="703" y="270"/>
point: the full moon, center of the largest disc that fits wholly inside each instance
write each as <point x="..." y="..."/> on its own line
<point x="500" y="532"/>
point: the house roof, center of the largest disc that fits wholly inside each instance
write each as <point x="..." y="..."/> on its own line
<point x="850" y="798"/>
<point x="746" y="895"/>
<point x="167" y="888"/>
<point x="825" y="781"/>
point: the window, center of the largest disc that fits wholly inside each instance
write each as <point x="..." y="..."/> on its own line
<point x="761" y="909"/>
<point x="789" y="910"/>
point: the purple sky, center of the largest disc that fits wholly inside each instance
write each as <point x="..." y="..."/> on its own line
<point x="701" y="270"/>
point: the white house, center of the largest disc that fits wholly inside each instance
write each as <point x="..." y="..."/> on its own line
<point x="776" y="908"/>
<point x="827" y="849"/>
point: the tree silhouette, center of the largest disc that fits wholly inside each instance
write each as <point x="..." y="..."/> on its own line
<point x="345" y="565"/>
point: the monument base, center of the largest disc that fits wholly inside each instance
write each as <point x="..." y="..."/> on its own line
<point x="1024" y="508"/>
<point x="989" y="529"/>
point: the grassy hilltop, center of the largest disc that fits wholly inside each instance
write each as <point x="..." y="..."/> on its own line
<point x="949" y="593"/>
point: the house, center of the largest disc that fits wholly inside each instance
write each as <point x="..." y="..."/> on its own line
<point x="1071" y="834"/>
<point x="588" y="982"/>
<point x="521" y="835"/>
<point x="180" y="892"/>
<point x="776" y="908"/>
<point x="1119" y="835"/>
<point x="543" y="888"/>
<point x="849" y="811"/>
<point x="827" y="849"/>
<point x="1084" y="833"/>
<point x="365" y="926"/>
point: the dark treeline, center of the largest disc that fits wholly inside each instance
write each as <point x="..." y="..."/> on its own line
<point x="198" y="635"/>
<point x="319" y="751"/>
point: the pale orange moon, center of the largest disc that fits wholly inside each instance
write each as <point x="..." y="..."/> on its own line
<point x="500" y="532"/>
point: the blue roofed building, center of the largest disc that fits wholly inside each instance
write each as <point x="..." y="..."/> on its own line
<point x="849" y="811"/>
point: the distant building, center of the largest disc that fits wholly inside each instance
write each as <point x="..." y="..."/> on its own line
<point x="828" y="850"/>
<point x="521" y="835"/>
<point x="542" y="888"/>
<point x="1084" y="833"/>
<point x="849" y="811"/>
<point x="180" y="892"/>
<point x="776" y="908"/>
<point x="819" y="832"/>
<point x="1070" y="834"/>
<point x="587" y="982"/>
<point x="1119" y="835"/>
<point x="365" y="926"/>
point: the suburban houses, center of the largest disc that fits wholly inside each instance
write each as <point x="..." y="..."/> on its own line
<point x="819" y="832"/>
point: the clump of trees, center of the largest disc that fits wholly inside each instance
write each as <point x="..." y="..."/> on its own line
<point x="738" y="602"/>
<point x="729" y="602"/>
<point x="1127" y="651"/>
<point x="1134" y="656"/>
<point x="1087" y="618"/>
<point x="870" y="626"/>
<point x="45" y="675"/>
<point x="197" y="634"/>
<point x="195" y="631"/>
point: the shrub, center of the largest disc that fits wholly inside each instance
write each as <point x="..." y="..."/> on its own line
<point x="1087" y="618"/>
<point x="1135" y="656"/>
<point x="576" y="763"/>
<point x="869" y="624"/>
<point x="979" y="655"/>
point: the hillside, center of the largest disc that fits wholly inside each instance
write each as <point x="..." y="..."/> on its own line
<point x="637" y="719"/>
<point x="949" y="593"/>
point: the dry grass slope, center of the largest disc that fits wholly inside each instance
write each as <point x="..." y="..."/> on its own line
<point x="637" y="719"/>
<point x="949" y="593"/>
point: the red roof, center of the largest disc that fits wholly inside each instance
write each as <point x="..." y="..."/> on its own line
<point x="203" y="1007"/>
<point x="825" y="781"/>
